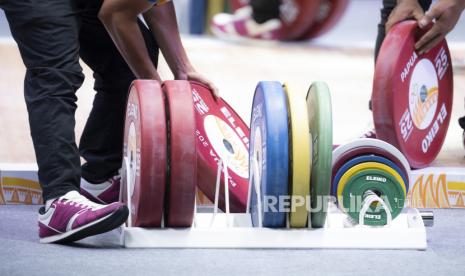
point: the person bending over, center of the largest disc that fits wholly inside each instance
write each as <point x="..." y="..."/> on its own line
<point x="52" y="35"/>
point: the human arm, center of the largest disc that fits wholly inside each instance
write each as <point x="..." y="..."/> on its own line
<point x="446" y="14"/>
<point x="162" y="23"/>
<point x="405" y="9"/>
<point x="120" y="19"/>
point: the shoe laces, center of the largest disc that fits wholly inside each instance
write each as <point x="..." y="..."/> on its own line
<point x="77" y="200"/>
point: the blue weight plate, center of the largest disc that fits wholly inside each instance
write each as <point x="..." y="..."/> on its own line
<point x="363" y="159"/>
<point x="269" y="147"/>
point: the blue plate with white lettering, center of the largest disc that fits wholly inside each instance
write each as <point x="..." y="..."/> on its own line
<point x="269" y="156"/>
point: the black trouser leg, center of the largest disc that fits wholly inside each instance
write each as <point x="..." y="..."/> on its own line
<point x="264" y="10"/>
<point x="388" y="6"/>
<point x="101" y="143"/>
<point x="46" y="32"/>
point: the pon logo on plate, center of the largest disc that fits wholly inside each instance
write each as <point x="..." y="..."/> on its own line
<point x="227" y="144"/>
<point x="423" y="98"/>
<point x="221" y="136"/>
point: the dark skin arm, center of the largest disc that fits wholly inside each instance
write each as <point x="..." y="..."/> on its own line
<point x="446" y="13"/>
<point x="120" y="20"/>
<point x="405" y="9"/>
<point x="162" y="23"/>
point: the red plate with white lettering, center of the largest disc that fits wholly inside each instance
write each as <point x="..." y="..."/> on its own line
<point x="329" y="14"/>
<point x="412" y="95"/>
<point x="145" y="153"/>
<point x="221" y="134"/>
<point x="180" y="197"/>
<point x="296" y="17"/>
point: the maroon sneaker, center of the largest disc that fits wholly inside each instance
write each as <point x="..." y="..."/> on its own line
<point x="73" y="217"/>
<point x="103" y="193"/>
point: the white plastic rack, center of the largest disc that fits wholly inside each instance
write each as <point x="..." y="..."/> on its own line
<point x="214" y="229"/>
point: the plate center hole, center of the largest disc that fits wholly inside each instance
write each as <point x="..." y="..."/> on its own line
<point x="228" y="146"/>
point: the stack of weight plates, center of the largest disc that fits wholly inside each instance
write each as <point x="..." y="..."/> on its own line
<point x="171" y="147"/>
<point x="160" y="157"/>
<point x="365" y="167"/>
<point x="290" y="155"/>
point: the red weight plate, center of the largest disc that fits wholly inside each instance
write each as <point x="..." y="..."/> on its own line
<point x="180" y="201"/>
<point x="364" y="150"/>
<point x="221" y="134"/>
<point x="329" y="14"/>
<point x="412" y="95"/>
<point x="145" y="151"/>
<point x="296" y="17"/>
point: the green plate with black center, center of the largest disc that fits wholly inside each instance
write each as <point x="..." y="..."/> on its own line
<point x="321" y="128"/>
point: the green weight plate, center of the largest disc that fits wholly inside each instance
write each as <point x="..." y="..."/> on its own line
<point x="383" y="184"/>
<point x="321" y="128"/>
<point x="346" y="194"/>
<point x="365" y="166"/>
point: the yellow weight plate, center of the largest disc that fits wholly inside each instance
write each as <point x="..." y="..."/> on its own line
<point x="300" y="162"/>
<point x="366" y="166"/>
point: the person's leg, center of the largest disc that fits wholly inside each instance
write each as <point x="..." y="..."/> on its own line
<point x="46" y="32"/>
<point x="264" y="10"/>
<point x="388" y="6"/>
<point x="101" y="144"/>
